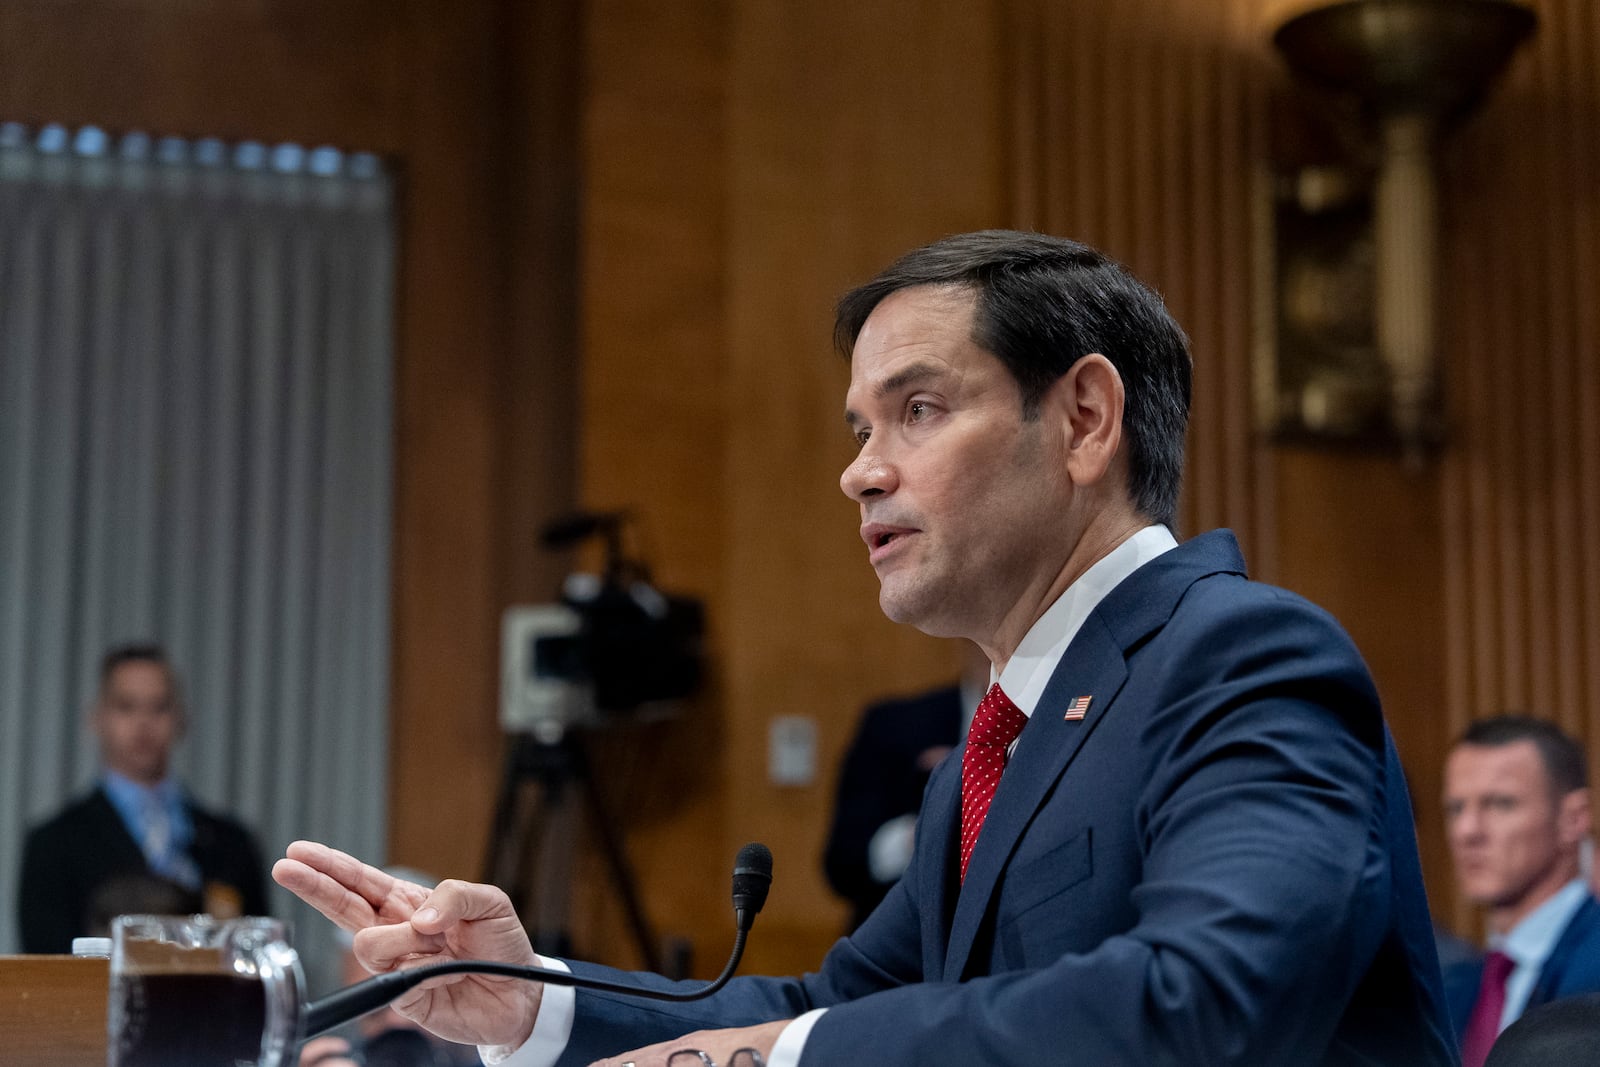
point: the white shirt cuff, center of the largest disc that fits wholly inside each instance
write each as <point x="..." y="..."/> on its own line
<point x="552" y="1027"/>
<point x="792" y="1041"/>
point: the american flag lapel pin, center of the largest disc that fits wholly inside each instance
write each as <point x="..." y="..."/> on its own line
<point x="1077" y="709"/>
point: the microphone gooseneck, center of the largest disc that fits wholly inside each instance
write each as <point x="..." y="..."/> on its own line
<point x="752" y="877"/>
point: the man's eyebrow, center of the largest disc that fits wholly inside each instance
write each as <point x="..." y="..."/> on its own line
<point x="908" y="375"/>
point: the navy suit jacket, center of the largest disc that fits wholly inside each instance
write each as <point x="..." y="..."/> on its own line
<point x="1216" y="864"/>
<point x="1573" y="967"/>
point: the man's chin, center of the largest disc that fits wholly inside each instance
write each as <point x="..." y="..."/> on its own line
<point x="901" y="600"/>
<point x="894" y="611"/>
<point x="145" y="771"/>
<point x="1489" y="897"/>
<point x="924" y="614"/>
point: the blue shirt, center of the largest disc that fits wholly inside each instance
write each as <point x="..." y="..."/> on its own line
<point x="133" y="802"/>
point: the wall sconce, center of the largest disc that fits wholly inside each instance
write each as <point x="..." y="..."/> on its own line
<point x="1353" y="249"/>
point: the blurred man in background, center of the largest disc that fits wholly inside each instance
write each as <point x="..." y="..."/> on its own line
<point x="137" y="821"/>
<point x="896" y="747"/>
<point x="1516" y="801"/>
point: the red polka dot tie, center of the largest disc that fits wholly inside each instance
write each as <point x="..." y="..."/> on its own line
<point x="996" y="724"/>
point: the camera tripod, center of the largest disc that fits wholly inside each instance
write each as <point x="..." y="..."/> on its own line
<point x="534" y="835"/>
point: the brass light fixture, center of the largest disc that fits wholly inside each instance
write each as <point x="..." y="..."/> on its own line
<point x="1416" y="67"/>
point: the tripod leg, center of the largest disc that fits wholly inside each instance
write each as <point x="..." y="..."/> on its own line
<point x="557" y="844"/>
<point x="534" y="835"/>
<point x="549" y="822"/>
<point x="617" y="861"/>
<point x="505" y="836"/>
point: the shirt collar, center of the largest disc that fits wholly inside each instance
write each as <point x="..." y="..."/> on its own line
<point x="130" y="797"/>
<point x="1531" y="941"/>
<point x="1030" y="667"/>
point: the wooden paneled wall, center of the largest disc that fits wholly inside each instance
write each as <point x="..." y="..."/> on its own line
<point x="1138" y="127"/>
<point x="625" y="226"/>
<point x="1518" y="506"/>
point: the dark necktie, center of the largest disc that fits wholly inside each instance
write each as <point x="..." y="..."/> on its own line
<point x="1484" y="1023"/>
<point x="996" y="724"/>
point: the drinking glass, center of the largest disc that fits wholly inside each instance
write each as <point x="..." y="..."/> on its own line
<point x="193" y="991"/>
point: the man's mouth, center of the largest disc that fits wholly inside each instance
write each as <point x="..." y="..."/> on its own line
<point x="882" y="538"/>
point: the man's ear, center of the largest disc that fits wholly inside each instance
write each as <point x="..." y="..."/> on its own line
<point x="1087" y="404"/>
<point x="1573" y="817"/>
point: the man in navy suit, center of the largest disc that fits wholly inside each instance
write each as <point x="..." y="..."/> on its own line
<point x="1516" y="799"/>
<point x="1199" y="847"/>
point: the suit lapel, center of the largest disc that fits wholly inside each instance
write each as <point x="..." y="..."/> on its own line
<point x="112" y="834"/>
<point x="1555" y="965"/>
<point x="1093" y="667"/>
<point x="938" y="895"/>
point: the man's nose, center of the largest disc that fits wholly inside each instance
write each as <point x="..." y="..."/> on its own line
<point x="1465" y="824"/>
<point x="868" y="475"/>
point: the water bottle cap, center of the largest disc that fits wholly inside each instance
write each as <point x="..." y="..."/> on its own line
<point x="92" y="947"/>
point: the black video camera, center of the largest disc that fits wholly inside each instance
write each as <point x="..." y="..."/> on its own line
<point x="613" y="644"/>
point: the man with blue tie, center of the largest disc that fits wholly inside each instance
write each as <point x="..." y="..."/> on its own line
<point x="1177" y="831"/>
<point x="1516" y="799"/>
<point x="137" y="835"/>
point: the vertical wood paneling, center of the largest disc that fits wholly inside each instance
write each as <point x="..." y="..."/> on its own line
<point x="1153" y="113"/>
<point x="1581" y="24"/>
<point x="1562" y="622"/>
<point x="1520" y="494"/>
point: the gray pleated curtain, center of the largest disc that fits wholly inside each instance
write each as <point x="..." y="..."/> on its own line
<point x="195" y="447"/>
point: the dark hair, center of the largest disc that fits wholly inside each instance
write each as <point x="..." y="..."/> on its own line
<point x="138" y="652"/>
<point x="142" y="652"/>
<point x="1042" y="304"/>
<point x="1562" y="757"/>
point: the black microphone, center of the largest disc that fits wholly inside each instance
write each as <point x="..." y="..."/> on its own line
<point x="752" y="878"/>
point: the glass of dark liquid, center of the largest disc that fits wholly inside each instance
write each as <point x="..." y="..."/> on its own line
<point x="193" y="991"/>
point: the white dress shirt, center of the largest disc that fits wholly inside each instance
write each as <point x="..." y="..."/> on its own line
<point x="1530" y="943"/>
<point x="1024" y="680"/>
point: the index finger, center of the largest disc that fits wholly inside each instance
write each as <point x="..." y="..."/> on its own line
<point x="351" y="893"/>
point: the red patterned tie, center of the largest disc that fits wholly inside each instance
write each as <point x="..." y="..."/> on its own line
<point x="1484" y="1023"/>
<point x="996" y="724"/>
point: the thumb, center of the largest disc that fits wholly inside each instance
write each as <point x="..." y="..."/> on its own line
<point x="454" y="901"/>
